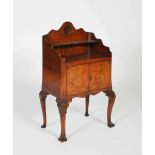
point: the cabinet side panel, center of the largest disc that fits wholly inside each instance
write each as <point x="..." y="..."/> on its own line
<point x="51" y="70"/>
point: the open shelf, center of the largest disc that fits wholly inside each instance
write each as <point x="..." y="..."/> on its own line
<point x="86" y="56"/>
<point x="74" y="43"/>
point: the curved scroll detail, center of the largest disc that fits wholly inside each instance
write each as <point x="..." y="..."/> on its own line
<point x="67" y="28"/>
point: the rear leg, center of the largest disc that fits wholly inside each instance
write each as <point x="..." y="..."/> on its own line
<point x="42" y="96"/>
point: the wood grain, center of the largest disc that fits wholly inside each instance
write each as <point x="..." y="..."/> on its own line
<point x="75" y="64"/>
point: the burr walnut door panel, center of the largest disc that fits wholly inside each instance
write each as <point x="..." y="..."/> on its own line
<point x="77" y="79"/>
<point x="99" y="75"/>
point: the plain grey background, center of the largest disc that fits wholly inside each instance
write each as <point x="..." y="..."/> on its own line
<point x="118" y="24"/>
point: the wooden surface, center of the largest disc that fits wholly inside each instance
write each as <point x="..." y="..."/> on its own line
<point x="100" y="75"/>
<point x="75" y="64"/>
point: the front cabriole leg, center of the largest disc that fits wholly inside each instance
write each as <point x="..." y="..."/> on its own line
<point x="62" y="106"/>
<point x="111" y="99"/>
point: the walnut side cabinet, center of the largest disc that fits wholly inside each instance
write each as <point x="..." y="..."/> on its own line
<point x="75" y="64"/>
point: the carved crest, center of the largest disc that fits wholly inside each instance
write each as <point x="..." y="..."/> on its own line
<point x="67" y="32"/>
<point x="71" y="41"/>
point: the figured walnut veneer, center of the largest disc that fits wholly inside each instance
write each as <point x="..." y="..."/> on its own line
<point x="75" y="64"/>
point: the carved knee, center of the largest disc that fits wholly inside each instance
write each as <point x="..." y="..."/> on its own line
<point x="110" y="93"/>
<point x="62" y="105"/>
<point x="43" y="95"/>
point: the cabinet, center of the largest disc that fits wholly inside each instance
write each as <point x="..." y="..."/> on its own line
<point x="75" y="64"/>
<point x="86" y="78"/>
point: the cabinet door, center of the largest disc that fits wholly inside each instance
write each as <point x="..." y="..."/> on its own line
<point x="77" y="79"/>
<point x="100" y="75"/>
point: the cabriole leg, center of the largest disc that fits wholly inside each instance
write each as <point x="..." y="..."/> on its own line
<point x="111" y="99"/>
<point x="42" y="96"/>
<point x="62" y="106"/>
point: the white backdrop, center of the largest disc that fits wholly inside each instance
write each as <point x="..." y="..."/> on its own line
<point x="118" y="24"/>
